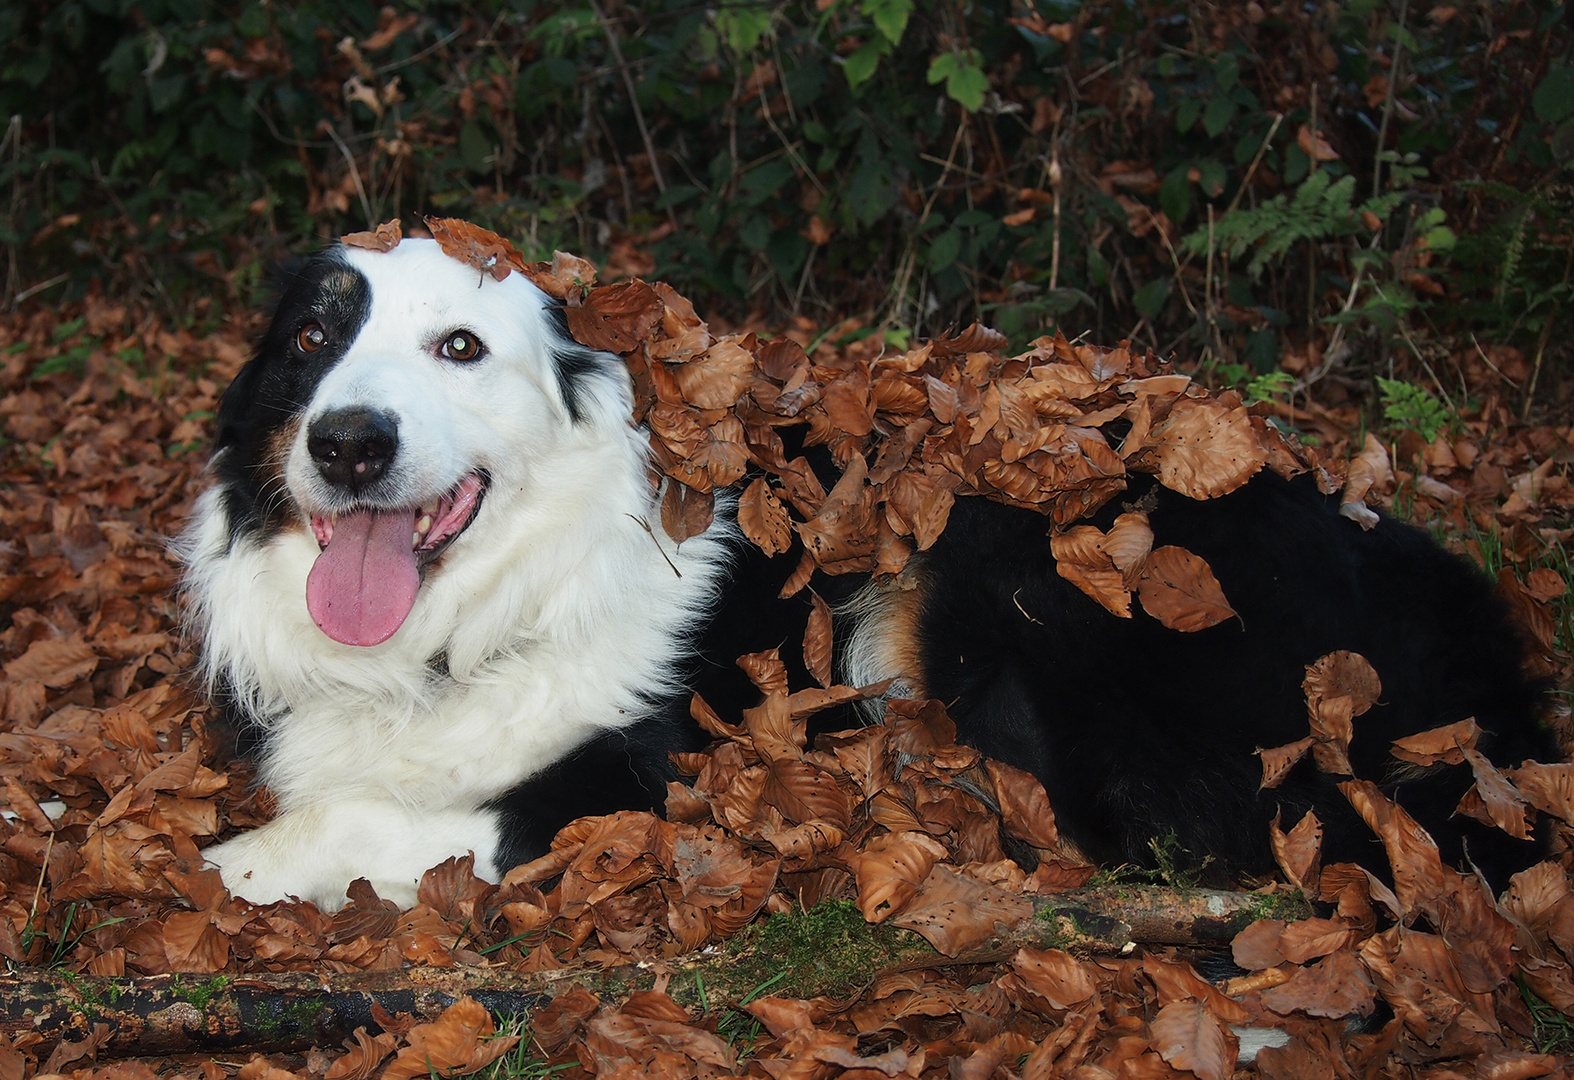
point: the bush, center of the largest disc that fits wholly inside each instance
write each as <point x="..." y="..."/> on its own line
<point x="1113" y="165"/>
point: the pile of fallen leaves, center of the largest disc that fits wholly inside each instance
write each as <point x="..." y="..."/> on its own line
<point x="113" y="783"/>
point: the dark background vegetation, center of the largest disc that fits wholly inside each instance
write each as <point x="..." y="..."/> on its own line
<point x="1285" y="193"/>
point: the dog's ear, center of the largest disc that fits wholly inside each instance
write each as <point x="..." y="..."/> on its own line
<point x="286" y="272"/>
<point x="234" y="411"/>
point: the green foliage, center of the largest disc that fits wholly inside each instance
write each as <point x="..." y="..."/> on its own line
<point x="963" y="75"/>
<point x="927" y="162"/>
<point x="1409" y="407"/>
<point x="1320" y="209"/>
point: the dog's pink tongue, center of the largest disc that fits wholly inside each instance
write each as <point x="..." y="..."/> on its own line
<point x="363" y="585"/>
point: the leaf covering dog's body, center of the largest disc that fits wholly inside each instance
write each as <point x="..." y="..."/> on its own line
<point x="435" y="595"/>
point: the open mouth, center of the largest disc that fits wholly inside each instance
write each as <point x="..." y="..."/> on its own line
<point x="364" y="582"/>
<point x="433" y="525"/>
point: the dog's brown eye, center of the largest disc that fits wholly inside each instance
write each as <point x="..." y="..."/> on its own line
<point x="311" y="338"/>
<point x="461" y="345"/>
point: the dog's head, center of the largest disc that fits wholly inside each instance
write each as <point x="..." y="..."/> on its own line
<point x="394" y="395"/>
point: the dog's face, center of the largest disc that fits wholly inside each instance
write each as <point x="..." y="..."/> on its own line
<point x="395" y="396"/>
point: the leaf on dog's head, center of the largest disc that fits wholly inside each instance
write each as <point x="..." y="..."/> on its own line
<point x="616" y="317"/>
<point x="385" y="237"/>
<point x="475" y="246"/>
<point x="1179" y="589"/>
<point x="1370" y="474"/>
<point x="567" y="277"/>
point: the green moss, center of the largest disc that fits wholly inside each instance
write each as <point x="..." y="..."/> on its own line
<point x="201" y="994"/>
<point x="828" y="949"/>
<point x="294" y="1016"/>
<point x="1288" y="906"/>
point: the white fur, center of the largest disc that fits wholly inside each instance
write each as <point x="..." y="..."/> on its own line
<point x="559" y="609"/>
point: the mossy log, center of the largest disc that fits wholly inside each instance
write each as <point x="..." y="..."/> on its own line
<point x="829" y="950"/>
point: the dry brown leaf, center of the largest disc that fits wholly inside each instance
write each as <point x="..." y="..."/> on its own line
<point x="1339" y="687"/>
<point x="365" y="1054"/>
<point x="1256" y="948"/>
<point x="890" y="870"/>
<point x="1025" y="812"/>
<point x="1445" y="744"/>
<point x="685" y="512"/>
<point x="470" y="244"/>
<point x="615" y="317"/>
<point x="1058" y="978"/>
<point x="1179" y="590"/>
<point x="385" y="238"/>
<point x="1505" y="806"/>
<point x="954" y="913"/>
<point x="1188" y="1036"/>
<point x="1419" y="875"/>
<point x="1309" y="939"/>
<point x="1549" y="788"/>
<point x="1334" y="987"/>
<point x="1299" y="853"/>
<point x="763" y="518"/>
<point x="1080" y="558"/>
<point x="1205" y="448"/>
<point x="55" y="662"/>
<point x="1277" y="761"/>
<point x="817" y="641"/>
<point x="459" y="1042"/>
<point x="1313" y="145"/>
<point x="1370" y="474"/>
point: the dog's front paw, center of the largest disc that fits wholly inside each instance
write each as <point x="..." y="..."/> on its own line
<point x="258" y="867"/>
<point x="313" y="853"/>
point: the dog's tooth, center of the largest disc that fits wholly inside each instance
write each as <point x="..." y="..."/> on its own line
<point x="430" y="510"/>
<point x="425" y="524"/>
<point x="415" y="540"/>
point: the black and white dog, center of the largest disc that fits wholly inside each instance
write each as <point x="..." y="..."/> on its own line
<point x="435" y="601"/>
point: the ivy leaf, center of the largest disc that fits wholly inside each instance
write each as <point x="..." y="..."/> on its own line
<point x="965" y="81"/>
<point x="1217" y="116"/>
<point x="890" y="16"/>
<point x="743" y="28"/>
<point x="1151" y="297"/>
<point x="860" y="66"/>
<point x="1554" y="98"/>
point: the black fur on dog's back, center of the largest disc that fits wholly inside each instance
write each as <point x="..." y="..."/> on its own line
<point x="1143" y="734"/>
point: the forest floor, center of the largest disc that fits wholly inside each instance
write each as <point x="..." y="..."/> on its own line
<point x="115" y="782"/>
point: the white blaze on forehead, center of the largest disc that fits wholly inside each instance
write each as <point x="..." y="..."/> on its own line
<point x="499" y="415"/>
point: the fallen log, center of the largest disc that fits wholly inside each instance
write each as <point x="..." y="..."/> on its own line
<point x="829" y="950"/>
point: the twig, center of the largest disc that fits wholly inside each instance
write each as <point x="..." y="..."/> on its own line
<point x="355" y="174"/>
<point x="904" y="272"/>
<point x="628" y="82"/>
<point x="1251" y="170"/>
<point x="1174" y="259"/>
<point x="1535" y="370"/>
<point x="1388" y="101"/>
<point x="29" y="293"/>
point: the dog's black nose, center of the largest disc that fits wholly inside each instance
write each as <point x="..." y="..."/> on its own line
<point x="353" y="447"/>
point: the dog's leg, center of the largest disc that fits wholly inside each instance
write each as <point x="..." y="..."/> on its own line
<point x="311" y="852"/>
